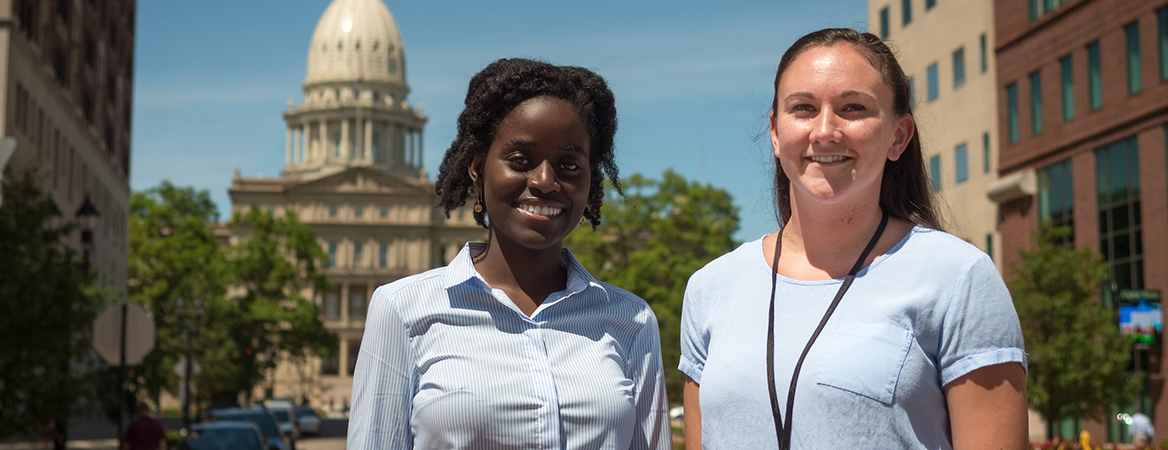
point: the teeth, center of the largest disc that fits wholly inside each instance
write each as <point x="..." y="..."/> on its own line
<point x="827" y="159"/>
<point x="541" y="210"/>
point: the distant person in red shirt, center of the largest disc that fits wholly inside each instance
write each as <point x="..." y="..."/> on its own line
<point x="145" y="433"/>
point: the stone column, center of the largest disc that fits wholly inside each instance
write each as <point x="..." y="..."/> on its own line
<point x="368" y="142"/>
<point x="346" y="151"/>
<point x="303" y="142"/>
<point x="421" y="153"/>
<point x="322" y="143"/>
<point x="288" y="148"/>
<point x="344" y="296"/>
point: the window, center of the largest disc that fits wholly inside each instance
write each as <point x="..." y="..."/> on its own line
<point x="958" y="67"/>
<point x="1068" y="88"/>
<point x="332" y="254"/>
<point x="382" y="255"/>
<point x="1056" y="197"/>
<point x="985" y="153"/>
<point x="1032" y="10"/>
<point x="373" y="145"/>
<point x="962" y="160"/>
<point x="1012" y="111"/>
<point x="1132" y="35"/>
<point x="358" y="211"/>
<point x="929" y="4"/>
<point x="333" y="211"/>
<point x="1094" y="80"/>
<point x="354" y="350"/>
<point x="337" y="145"/>
<point x="1162" y="24"/>
<point x="332" y="305"/>
<point x="1120" y="238"/>
<point x="933" y="88"/>
<point x="330" y="365"/>
<point x="990" y="245"/>
<point x="983" y="56"/>
<point x="906" y="12"/>
<point x="1036" y="102"/>
<point x="884" y="23"/>
<point x="935" y="172"/>
<point x="356" y="302"/>
<point x="384" y="212"/>
<point x="358" y="253"/>
<point x="912" y="92"/>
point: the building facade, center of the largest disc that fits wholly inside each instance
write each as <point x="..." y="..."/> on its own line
<point x="1083" y="90"/>
<point x="353" y="173"/>
<point x="67" y="71"/>
<point x="946" y="48"/>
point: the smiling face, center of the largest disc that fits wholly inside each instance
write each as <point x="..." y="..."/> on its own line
<point x="536" y="175"/>
<point x="834" y="127"/>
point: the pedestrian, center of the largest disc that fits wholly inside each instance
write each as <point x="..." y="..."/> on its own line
<point x="1141" y="430"/>
<point x="513" y="345"/>
<point x="858" y="324"/>
<point x="145" y="433"/>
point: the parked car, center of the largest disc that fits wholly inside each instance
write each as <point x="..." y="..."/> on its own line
<point x="285" y="412"/>
<point x="309" y="420"/>
<point x="274" y="436"/>
<point x="225" y="435"/>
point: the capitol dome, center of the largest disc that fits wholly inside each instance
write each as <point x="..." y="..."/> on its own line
<point x="356" y="40"/>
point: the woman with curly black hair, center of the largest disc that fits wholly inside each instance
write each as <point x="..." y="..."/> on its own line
<point x="514" y="344"/>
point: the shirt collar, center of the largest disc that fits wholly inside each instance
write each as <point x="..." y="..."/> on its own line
<point x="461" y="269"/>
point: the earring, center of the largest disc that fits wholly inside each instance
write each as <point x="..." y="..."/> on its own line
<point x="581" y="220"/>
<point x="478" y="207"/>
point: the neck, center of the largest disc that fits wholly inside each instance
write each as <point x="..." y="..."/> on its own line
<point x="527" y="277"/>
<point x="823" y="241"/>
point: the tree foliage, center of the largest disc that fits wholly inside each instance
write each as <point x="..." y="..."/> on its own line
<point x="275" y="265"/>
<point x="1077" y="355"/>
<point x="46" y="310"/>
<point x="650" y="243"/>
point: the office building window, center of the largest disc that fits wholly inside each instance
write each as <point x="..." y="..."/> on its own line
<point x="358" y="211"/>
<point x="384" y="212"/>
<point x="983" y="56"/>
<point x="1012" y="111"/>
<point x="989" y="243"/>
<point x="1056" y="196"/>
<point x="929" y="4"/>
<point x="912" y="92"/>
<point x="358" y="254"/>
<point x="332" y="254"/>
<point x="962" y="159"/>
<point x="1036" y="102"/>
<point x="1094" y="80"/>
<point x="1032" y="10"/>
<point x="382" y="255"/>
<point x="332" y="305"/>
<point x="935" y="172"/>
<point x="933" y="88"/>
<point x="1162" y="39"/>
<point x="884" y="23"/>
<point x="1117" y="179"/>
<point x="985" y="153"/>
<point x="1132" y="36"/>
<point x="356" y="302"/>
<point x="332" y="211"/>
<point x="959" y="67"/>
<point x="1068" y="88"/>
<point x="373" y="145"/>
<point x="906" y="11"/>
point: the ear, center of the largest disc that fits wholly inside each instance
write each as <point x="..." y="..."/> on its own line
<point x="475" y="171"/>
<point x="774" y="134"/>
<point x="906" y="127"/>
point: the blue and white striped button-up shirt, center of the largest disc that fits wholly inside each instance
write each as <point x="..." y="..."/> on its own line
<point x="448" y="362"/>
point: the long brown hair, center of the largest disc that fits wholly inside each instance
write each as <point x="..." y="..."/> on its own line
<point x="904" y="188"/>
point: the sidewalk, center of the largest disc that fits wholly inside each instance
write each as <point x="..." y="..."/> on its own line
<point x="94" y="444"/>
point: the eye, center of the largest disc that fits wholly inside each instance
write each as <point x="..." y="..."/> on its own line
<point x="570" y="166"/>
<point x="855" y="107"/>
<point x="517" y="160"/>
<point x="802" y="107"/>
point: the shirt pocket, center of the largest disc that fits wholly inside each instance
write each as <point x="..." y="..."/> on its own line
<point x="866" y="358"/>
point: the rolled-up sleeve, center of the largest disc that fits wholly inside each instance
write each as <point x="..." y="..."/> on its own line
<point x="384" y="381"/>
<point x="980" y="327"/>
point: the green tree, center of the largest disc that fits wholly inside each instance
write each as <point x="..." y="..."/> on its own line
<point x="275" y="265"/>
<point x="175" y="256"/>
<point x="1077" y="355"/>
<point x="46" y="308"/>
<point x="650" y="243"/>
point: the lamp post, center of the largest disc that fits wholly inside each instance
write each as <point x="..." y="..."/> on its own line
<point x="86" y="217"/>
<point x="188" y="363"/>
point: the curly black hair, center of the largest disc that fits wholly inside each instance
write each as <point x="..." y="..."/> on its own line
<point x="503" y="85"/>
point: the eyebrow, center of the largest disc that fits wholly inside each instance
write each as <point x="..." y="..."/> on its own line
<point x="846" y="94"/>
<point x="520" y="142"/>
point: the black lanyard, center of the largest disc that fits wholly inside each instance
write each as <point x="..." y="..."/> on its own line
<point x="784" y="430"/>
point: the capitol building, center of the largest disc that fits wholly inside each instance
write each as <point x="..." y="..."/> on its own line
<point x="353" y="172"/>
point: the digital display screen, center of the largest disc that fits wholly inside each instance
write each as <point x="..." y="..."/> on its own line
<point x="1141" y="320"/>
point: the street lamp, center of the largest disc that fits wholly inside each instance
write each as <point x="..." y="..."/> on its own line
<point x="87" y="217"/>
<point x="188" y="369"/>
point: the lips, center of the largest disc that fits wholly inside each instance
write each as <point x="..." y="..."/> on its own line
<point x="828" y="159"/>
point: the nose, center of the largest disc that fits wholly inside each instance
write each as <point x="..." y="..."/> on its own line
<point x="543" y="177"/>
<point x="827" y="127"/>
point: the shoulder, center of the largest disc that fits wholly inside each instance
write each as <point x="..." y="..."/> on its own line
<point x="730" y="265"/>
<point x="636" y="307"/>
<point x="430" y="279"/>
<point x="943" y="250"/>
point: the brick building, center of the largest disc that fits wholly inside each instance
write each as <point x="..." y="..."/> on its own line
<point x="1082" y="89"/>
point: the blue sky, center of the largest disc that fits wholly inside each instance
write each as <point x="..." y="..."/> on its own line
<point x="692" y="80"/>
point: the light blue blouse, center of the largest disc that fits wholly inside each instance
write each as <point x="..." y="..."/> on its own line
<point x="922" y="315"/>
<point x="448" y="362"/>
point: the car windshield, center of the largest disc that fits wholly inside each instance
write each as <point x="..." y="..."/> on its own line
<point x="226" y="439"/>
<point x="261" y="418"/>
<point x="305" y="411"/>
<point x="281" y="414"/>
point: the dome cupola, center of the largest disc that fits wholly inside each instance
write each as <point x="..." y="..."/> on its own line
<point x="356" y="40"/>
